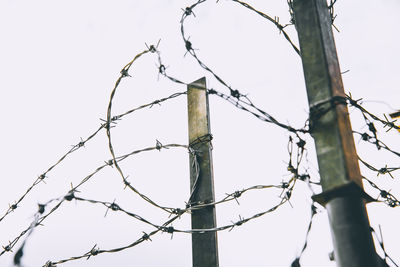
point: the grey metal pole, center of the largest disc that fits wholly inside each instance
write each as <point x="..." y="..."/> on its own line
<point x="204" y="245"/>
<point x="343" y="193"/>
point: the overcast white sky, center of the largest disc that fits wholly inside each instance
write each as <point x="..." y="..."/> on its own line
<point x="59" y="62"/>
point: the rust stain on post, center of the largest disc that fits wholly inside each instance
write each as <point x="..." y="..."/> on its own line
<point x="343" y="194"/>
<point x="337" y="157"/>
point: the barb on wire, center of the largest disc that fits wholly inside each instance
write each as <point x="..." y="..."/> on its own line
<point x="370" y="139"/>
<point x="383" y="170"/>
<point x="389" y="199"/>
<point x="275" y="21"/>
<point x="332" y="13"/>
<point x="153" y="48"/>
<point x="115" y="207"/>
<point x="385" y="122"/>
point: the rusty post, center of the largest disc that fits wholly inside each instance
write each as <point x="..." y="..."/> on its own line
<point x="204" y="245"/>
<point x="343" y="193"/>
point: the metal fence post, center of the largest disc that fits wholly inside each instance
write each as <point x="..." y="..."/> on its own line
<point x="343" y="193"/>
<point x="204" y="245"/>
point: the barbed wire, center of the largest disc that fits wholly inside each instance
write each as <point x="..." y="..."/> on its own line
<point x="275" y="21"/>
<point x="81" y="144"/>
<point x="381" y="244"/>
<point x="114" y="161"/>
<point x="71" y="193"/>
<point x="379" y="144"/>
<point x="383" y="170"/>
<point x="178" y="211"/>
<point x="188" y="11"/>
<point x="125" y="73"/>
<point x="159" y="146"/>
<point x="296" y="149"/>
<point x="296" y="261"/>
<point x="389" y="199"/>
<point x="316" y="112"/>
<point x="287" y="190"/>
<point x="236" y="98"/>
<point x="165" y="227"/>
<point x="97" y="251"/>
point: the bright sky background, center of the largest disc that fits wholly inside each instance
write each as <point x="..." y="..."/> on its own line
<point x="59" y="61"/>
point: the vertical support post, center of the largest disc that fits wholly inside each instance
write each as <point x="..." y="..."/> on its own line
<point x="204" y="245"/>
<point x="343" y="193"/>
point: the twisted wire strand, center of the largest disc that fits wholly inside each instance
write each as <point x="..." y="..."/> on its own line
<point x="381" y="244"/>
<point x="383" y="170"/>
<point x="159" y="228"/>
<point x="275" y="21"/>
<point x="71" y="193"/>
<point x="81" y="144"/>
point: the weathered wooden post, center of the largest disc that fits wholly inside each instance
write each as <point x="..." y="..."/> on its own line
<point x="343" y="194"/>
<point x="204" y="245"/>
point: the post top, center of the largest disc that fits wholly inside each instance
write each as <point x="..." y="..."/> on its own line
<point x="200" y="83"/>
